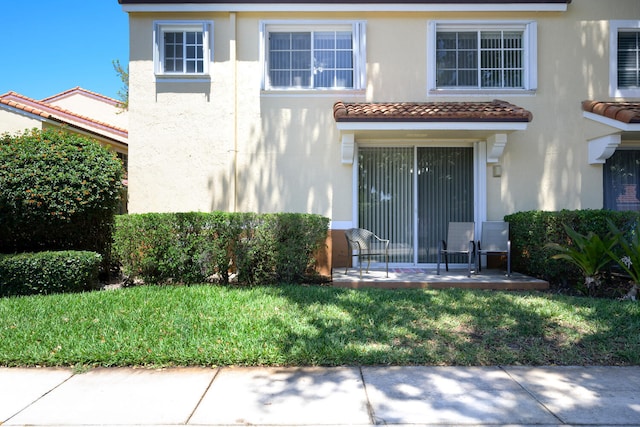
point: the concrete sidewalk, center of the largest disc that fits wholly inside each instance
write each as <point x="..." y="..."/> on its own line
<point x="360" y="396"/>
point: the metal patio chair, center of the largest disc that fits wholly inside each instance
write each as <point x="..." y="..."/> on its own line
<point x="495" y="240"/>
<point x="460" y="240"/>
<point x="365" y="244"/>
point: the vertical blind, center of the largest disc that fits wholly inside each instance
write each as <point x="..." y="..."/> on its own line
<point x="480" y="59"/>
<point x="629" y="59"/>
<point x="445" y="194"/>
<point x="320" y="59"/>
<point x="386" y="194"/>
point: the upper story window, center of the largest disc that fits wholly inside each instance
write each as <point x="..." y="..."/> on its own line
<point x="313" y="55"/>
<point x="487" y="57"/>
<point x="625" y="59"/>
<point x="182" y="49"/>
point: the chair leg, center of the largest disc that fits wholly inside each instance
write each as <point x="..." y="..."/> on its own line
<point x="386" y="260"/>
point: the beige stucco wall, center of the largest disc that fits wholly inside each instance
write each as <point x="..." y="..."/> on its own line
<point x="228" y="145"/>
<point x="13" y="122"/>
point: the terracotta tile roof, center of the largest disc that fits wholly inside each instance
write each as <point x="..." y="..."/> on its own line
<point x="493" y="111"/>
<point x="626" y="112"/>
<point x="80" y="90"/>
<point x="52" y="112"/>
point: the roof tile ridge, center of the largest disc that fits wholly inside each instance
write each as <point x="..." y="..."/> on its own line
<point x="81" y="89"/>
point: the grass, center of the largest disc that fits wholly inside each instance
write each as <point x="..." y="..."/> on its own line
<point x="313" y="325"/>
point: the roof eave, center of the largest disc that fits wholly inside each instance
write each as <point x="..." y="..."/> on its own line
<point x="617" y="124"/>
<point x="344" y="7"/>
<point x="452" y="125"/>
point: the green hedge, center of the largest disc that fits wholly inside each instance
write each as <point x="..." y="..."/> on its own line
<point x="531" y="231"/>
<point x="59" y="191"/>
<point x="48" y="272"/>
<point x="193" y="247"/>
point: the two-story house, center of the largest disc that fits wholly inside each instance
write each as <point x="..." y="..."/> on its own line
<point x="393" y="116"/>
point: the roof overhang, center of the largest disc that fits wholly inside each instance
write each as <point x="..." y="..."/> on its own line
<point x="617" y="124"/>
<point x="432" y="122"/>
<point x="622" y="117"/>
<point x="344" y="6"/>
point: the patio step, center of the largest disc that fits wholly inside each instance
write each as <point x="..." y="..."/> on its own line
<point x="426" y="278"/>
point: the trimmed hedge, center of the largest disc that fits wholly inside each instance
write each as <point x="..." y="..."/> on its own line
<point x="48" y="272"/>
<point x="531" y="231"/>
<point x="196" y="247"/>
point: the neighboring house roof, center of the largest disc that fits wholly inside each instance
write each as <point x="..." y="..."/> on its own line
<point x="492" y="111"/>
<point x="50" y="112"/>
<point x="80" y="91"/>
<point x="625" y="112"/>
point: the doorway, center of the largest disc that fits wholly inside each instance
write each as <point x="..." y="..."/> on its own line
<point x="410" y="194"/>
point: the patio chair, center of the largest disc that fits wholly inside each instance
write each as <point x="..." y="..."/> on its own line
<point x="365" y="244"/>
<point x="460" y="240"/>
<point x="495" y="240"/>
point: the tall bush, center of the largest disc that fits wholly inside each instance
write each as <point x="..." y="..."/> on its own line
<point x="58" y="191"/>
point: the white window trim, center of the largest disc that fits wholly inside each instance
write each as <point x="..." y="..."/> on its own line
<point x="358" y="29"/>
<point x="530" y="60"/>
<point x="159" y="27"/>
<point x="614" y="29"/>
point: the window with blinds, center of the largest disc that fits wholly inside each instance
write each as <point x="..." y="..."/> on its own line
<point x="314" y="56"/>
<point x="483" y="57"/>
<point x="629" y="59"/>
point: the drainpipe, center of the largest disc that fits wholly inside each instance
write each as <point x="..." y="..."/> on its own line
<point x="233" y="57"/>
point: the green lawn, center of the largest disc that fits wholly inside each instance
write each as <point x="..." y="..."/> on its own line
<point x="313" y="325"/>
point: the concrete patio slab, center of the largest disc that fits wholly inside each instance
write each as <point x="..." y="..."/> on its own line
<point x="585" y="395"/>
<point x="426" y="278"/>
<point x="21" y="387"/>
<point x="284" y="396"/>
<point x="121" y="396"/>
<point x="451" y="396"/>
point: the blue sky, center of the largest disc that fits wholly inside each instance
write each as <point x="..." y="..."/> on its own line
<point x="49" y="46"/>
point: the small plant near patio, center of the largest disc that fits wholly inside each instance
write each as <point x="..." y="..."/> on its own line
<point x="630" y="259"/>
<point x="590" y="253"/>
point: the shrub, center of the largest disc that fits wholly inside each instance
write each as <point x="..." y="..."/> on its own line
<point x="191" y="247"/>
<point x="59" y="191"/>
<point x="280" y="248"/>
<point x="589" y="253"/>
<point x="533" y="231"/>
<point x="48" y="272"/>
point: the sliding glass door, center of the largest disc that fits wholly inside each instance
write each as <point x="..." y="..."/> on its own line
<point x="409" y="195"/>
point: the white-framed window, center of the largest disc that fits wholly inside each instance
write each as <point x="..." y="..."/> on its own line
<point x="183" y="49"/>
<point x="624" y="68"/>
<point x="313" y="55"/>
<point x="482" y="56"/>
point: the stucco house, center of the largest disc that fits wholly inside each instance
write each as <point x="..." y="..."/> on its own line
<point x="393" y="116"/>
<point x="77" y="110"/>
